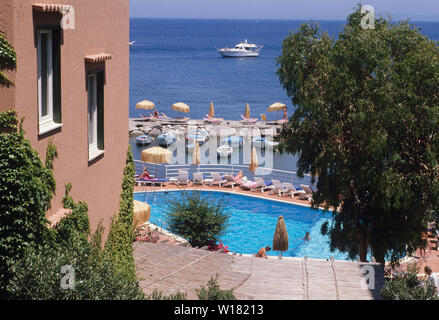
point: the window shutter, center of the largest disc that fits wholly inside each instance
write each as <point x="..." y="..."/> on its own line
<point x="100" y="105"/>
<point x="56" y="74"/>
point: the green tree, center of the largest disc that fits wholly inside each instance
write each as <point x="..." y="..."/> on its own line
<point x="198" y="219"/>
<point x="118" y="247"/>
<point x="8" y="60"/>
<point x="366" y="124"/>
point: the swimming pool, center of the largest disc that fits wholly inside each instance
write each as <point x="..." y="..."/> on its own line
<point x="253" y="221"/>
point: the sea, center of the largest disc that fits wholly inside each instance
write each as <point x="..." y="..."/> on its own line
<point x="175" y="60"/>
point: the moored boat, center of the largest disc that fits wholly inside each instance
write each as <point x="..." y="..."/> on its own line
<point x="241" y="50"/>
<point x="166" y="139"/>
<point x="144" y="139"/>
<point x="224" y="151"/>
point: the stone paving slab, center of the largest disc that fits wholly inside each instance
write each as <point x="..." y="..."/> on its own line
<point x="170" y="268"/>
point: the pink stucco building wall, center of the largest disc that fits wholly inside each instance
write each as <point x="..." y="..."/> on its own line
<point x="101" y="26"/>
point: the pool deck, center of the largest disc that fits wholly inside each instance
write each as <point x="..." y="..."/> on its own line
<point x="236" y="189"/>
<point x="171" y="267"/>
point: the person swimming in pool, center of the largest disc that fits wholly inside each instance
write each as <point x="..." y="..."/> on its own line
<point x="306" y="237"/>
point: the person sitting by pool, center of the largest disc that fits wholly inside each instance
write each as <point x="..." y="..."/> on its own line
<point x="262" y="253"/>
<point x="145" y="175"/>
<point x="238" y="177"/>
<point x="306" y="237"/>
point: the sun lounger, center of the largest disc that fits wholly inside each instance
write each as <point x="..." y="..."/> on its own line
<point x="260" y="185"/>
<point x="213" y="120"/>
<point x="291" y="190"/>
<point x="216" y="179"/>
<point x="278" y="187"/>
<point x="248" y="120"/>
<point x="249" y="185"/>
<point x="183" y="178"/>
<point x="230" y="181"/>
<point x="161" y="182"/>
<point x="180" y="119"/>
<point x="308" y="192"/>
<point x="198" y="178"/>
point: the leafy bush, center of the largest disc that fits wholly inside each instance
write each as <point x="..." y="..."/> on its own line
<point x="198" y="219"/>
<point x="406" y="286"/>
<point x="159" y="295"/>
<point x="38" y="276"/>
<point x="212" y="291"/>
<point x="26" y="189"/>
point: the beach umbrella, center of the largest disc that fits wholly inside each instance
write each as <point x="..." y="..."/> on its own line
<point x="211" y="110"/>
<point x="247" y="111"/>
<point x="145" y="104"/>
<point x="253" y="161"/>
<point x="196" y="156"/>
<point x="156" y="155"/>
<point x="181" y="107"/>
<point x="280" y="238"/>
<point x="142" y="213"/>
<point x="277" y="106"/>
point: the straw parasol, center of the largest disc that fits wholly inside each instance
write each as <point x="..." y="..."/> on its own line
<point x="280" y="239"/>
<point x="181" y="107"/>
<point x="142" y="213"/>
<point x="196" y="154"/>
<point x="211" y="110"/>
<point x="277" y="106"/>
<point x="145" y="104"/>
<point x="253" y="161"/>
<point x="156" y="155"/>
<point x="247" y="111"/>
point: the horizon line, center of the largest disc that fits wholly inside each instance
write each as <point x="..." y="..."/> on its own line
<point x="270" y="19"/>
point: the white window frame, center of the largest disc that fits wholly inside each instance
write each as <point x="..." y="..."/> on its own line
<point x="92" y="114"/>
<point x="45" y="123"/>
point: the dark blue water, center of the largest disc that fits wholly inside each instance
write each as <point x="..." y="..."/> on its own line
<point x="176" y="60"/>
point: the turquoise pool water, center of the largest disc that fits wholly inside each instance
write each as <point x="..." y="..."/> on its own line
<point x="253" y="221"/>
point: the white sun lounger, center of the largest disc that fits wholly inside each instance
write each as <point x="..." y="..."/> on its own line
<point x="308" y="192"/>
<point x="216" y="179"/>
<point x="183" y="178"/>
<point x="260" y="185"/>
<point x="278" y="187"/>
<point x="198" y="178"/>
<point x="230" y="181"/>
<point x="291" y="190"/>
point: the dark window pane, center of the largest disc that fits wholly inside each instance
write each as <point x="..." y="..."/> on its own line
<point x="44" y="74"/>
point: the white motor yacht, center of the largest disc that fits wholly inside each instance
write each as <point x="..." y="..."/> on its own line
<point x="241" y="50"/>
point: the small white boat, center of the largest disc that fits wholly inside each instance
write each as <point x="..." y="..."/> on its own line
<point x="240" y="50"/>
<point x="144" y="139"/>
<point x="197" y="135"/>
<point x="224" y="151"/>
<point x="166" y="139"/>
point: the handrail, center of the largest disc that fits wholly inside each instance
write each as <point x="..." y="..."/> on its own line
<point x="167" y="171"/>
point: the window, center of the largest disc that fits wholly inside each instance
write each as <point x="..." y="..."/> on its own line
<point x="95" y="85"/>
<point x="49" y="79"/>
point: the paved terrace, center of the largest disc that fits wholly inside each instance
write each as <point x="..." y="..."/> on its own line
<point x="170" y="267"/>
